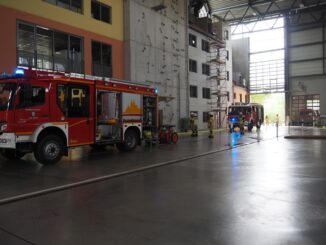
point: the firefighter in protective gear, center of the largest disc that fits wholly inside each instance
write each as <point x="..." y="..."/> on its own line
<point x="211" y="125"/>
<point x="193" y="125"/>
<point x="241" y="123"/>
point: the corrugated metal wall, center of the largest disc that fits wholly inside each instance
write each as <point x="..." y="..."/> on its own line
<point x="306" y="62"/>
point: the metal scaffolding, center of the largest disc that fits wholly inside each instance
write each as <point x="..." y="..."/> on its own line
<point x="218" y="79"/>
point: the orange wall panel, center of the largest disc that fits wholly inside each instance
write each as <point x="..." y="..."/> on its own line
<point x="8" y="20"/>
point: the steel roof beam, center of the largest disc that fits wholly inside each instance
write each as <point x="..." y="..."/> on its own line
<point x="242" y="5"/>
<point x="277" y="13"/>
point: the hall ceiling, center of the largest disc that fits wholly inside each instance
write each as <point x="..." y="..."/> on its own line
<point x="240" y="11"/>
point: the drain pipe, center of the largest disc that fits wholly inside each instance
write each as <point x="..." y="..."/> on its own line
<point x="187" y="58"/>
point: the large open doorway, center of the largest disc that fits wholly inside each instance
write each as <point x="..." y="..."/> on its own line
<point x="266" y="64"/>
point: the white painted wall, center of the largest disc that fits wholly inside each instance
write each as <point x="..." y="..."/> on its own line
<point x="200" y="80"/>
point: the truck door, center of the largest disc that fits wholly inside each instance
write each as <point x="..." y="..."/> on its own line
<point x="31" y="106"/>
<point x="74" y="101"/>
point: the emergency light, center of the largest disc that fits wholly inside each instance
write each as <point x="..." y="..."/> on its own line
<point x="156" y="90"/>
<point x="233" y="119"/>
<point x="19" y="72"/>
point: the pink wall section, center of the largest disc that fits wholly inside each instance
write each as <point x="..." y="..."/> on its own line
<point x="7" y="41"/>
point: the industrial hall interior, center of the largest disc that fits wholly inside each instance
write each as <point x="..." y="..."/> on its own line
<point x="163" y="122"/>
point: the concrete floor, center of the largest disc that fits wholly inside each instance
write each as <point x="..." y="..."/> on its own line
<point x="267" y="192"/>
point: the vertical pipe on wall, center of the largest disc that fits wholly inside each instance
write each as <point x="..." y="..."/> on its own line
<point x="187" y="58"/>
<point x="127" y="40"/>
<point x="323" y="42"/>
<point x="179" y="100"/>
<point x="286" y="66"/>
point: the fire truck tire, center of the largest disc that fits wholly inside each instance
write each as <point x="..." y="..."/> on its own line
<point x="12" y="154"/>
<point x="49" y="149"/>
<point x="130" y="142"/>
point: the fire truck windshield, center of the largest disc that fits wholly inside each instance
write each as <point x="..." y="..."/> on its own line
<point x="236" y="110"/>
<point x="6" y="92"/>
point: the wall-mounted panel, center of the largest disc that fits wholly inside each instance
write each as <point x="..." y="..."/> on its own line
<point x="306" y="36"/>
<point x="306" y="68"/>
<point x="306" y="52"/>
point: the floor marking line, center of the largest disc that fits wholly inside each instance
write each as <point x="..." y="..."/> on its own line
<point x="16" y="236"/>
<point x="115" y="175"/>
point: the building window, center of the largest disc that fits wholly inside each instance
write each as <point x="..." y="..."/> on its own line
<point x="240" y="98"/>
<point x="227" y="75"/>
<point x="73" y="5"/>
<point x="101" y="11"/>
<point x="228" y="95"/>
<point x="206" y="93"/>
<point x="205" y="69"/>
<point x="234" y="96"/>
<point x="47" y="49"/>
<point x="102" y="59"/>
<point x="194" y="114"/>
<point x="313" y="103"/>
<point x="205" y="116"/>
<point x="226" y="34"/>
<point x="205" y="45"/>
<point x="192" y="40"/>
<point x="193" y="65"/>
<point x="227" y="55"/>
<point x="193" y="91"/>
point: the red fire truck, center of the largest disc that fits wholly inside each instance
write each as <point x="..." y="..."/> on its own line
<point x="46" y="113"/>
<point x="252" y="113"/>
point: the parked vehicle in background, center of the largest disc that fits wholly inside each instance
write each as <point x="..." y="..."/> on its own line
<point x="306" y="117"/>
<point x="47" y="113"/>
<point x="251" y="113"/>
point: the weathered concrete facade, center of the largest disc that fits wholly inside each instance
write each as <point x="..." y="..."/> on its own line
<point x="156" y="50"/>
<point x="240" y="61"/>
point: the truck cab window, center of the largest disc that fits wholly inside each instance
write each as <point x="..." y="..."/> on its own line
<point x="30" y="96"/>
<point x="6" y="94"/>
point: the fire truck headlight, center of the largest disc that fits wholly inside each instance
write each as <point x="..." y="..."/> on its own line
<point x="3" y="127"/>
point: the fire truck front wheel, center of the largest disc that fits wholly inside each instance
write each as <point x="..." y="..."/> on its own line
<point x="130" y="141"/>
<point x="49" y="149"/>
<point x="12" y="154"/>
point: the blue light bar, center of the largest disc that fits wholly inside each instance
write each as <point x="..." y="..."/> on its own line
<point x="156" y="90"/>
<point x="19" y="72"/>
<point x="233" y="119"/>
